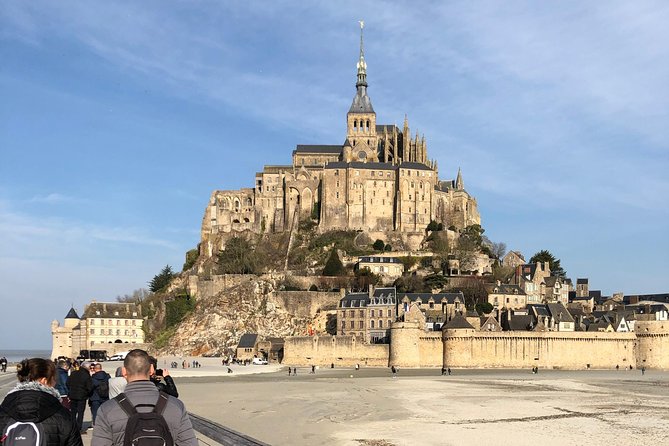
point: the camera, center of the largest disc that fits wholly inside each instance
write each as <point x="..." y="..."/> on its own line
<point x="159" y="372"/>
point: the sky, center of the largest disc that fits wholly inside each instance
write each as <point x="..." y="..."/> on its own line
<point x="118" y="120"/>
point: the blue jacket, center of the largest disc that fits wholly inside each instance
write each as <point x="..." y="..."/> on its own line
<point x="61" y="382"/>
<point x="97" y="378"/>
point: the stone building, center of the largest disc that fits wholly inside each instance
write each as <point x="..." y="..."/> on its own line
<point x="103" y="326"/>
<point x="367" y="315"/>
<point x="531" y="278"/>
<point x="505" y="296"/>
<point x="379" y="179"/>
<point x="386" y="267"/>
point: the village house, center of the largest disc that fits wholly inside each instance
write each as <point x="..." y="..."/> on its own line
<point x="388" y="268"/>
<point x="505" y="296"/>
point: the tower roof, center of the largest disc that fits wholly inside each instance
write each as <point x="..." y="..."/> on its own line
<point x="361" y="102"/>
<point x="72" y="314"/>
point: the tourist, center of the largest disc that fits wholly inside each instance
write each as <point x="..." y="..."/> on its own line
<point x="313" y="369"/>
<point x="162" y="379"/>
<point x="79" y="386"/>
<point x="61" y="382"/>
<point x="117" y="383"/>
<point x="3" y="364"/>
<point x="449" y="371"/>
<point x="289" y="371"/>
<point x="143" y="395"/>
<point x="393" y="369"/>
<point x="35" y="400"/>
<point x="100" y="392"/>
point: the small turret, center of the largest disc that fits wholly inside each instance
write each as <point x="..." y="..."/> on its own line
<point x="459" y="183"/>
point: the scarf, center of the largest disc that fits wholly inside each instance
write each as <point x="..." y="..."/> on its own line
<point x="35" y="385"/>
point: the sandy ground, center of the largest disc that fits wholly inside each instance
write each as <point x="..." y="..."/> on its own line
<point x="419" y="407"/>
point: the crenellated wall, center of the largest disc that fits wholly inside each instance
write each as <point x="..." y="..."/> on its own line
<point x="337" y="350"/>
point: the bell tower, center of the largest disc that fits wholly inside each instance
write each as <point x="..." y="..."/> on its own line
<point x="361" y="119"/>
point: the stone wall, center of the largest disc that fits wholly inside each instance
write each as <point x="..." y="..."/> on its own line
<point x="306" y="303"/>
<point x="653" y="344"/>
<point x="338" y="350"/>
<point x="563" y="350"/>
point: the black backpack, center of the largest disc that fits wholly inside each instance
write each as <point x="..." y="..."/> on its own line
<point x="146" y="429"/>
<point x="102" y="389"/>
<point x="22" y="433"/>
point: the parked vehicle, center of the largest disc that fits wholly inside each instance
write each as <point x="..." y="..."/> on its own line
<point x="120" y="356"/>
<point x="259" y="361"/>
<point x="92" y="355"/>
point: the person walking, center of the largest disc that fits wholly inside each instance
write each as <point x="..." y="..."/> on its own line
<point x="100" y="392"/>
<point x="61" y="382"/>
<point x="79" y="386"/>
<point x="33" y="409"/>
<point x="144" y="396"/>
<point x="117" y="383"/>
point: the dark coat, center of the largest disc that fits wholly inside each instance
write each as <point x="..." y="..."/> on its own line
<point x="97" y="378"/>
<point x="61" y="384"/>
<point x="40" y="407"/>
<point x="79" y="384"/>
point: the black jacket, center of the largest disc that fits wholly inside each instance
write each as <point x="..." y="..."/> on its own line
<point x="97" y="379"/>
<point x="79" y="384"/>
<point x="40" y="407"/>
<point x="166" y="385"/>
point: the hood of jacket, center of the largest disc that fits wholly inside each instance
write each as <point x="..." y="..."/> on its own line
<point x="31" y="401"/>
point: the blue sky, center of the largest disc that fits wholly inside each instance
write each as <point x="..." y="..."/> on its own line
<point x="118" y="119"/>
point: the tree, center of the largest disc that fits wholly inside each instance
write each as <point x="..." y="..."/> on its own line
<point x="483" y="308"/>
<point x="378" y="245"/>
<point x="334" y="267"/>
<point x="438" y="243"/>
<point x="388" y="247"/>
<point x="138" y="296"/>
<point x="239" y="257"/>
<point x="364" y="277"/>
<point x="553" y="263"/>
<point x="161" y="280"/>
<point x="466" y="252"/>
<point x="435" y="281"/>
<point x="410" y="283"/>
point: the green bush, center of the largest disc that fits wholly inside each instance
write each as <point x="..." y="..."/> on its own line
<point x="334" y="267"/>
<point x="378" y="245"/>
<point x="177" y="309"/>
<point x="191" y="258"/>
<point x="388" y="247"/>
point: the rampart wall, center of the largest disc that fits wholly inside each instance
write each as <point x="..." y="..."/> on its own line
<point x="306" y="303"/>
<point x="338" y="350"/>
<point x="559" y="350"/>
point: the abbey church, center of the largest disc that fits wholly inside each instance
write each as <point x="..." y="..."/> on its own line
<point x="379" y="180"/>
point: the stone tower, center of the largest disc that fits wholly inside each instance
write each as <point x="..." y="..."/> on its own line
<point x="361" y="138"/>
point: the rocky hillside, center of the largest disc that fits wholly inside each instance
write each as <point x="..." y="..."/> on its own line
<point x="248" y="304"/>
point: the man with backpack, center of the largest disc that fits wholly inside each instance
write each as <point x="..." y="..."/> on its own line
<point x="100" y="393"/>
<point x="124" y="419"/>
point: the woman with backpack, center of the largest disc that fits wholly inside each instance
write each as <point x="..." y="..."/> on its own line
<point x="32" y="413"/>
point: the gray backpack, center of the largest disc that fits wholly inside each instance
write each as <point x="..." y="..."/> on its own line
<point x="22" y="433"/>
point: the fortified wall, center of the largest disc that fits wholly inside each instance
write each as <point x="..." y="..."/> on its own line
<point x="413" y="347"/>
<point x="338" y="350"/>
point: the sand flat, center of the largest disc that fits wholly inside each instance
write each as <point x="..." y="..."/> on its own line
<point x="420" y="407"/>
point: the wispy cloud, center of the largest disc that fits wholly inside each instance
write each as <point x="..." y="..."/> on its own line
<point x="52" y="198"/>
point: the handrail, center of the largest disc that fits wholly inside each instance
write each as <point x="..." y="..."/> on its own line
<point x="222" y="434"/>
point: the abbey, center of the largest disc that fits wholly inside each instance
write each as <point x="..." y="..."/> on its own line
<point x="380" y="179"/>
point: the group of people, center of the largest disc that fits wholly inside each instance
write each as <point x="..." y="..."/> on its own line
<point x="49" y="402"/>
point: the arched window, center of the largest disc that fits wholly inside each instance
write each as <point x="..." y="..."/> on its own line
<point x="380" y="324"/>
<point x="355" y="125"/>
<point x="371" y="324"/>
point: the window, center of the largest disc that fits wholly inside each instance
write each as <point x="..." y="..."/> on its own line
<point x="390" y="312"/>
<point x="118" y="332"/>
<point x="352" y="324"/>
<point x="362" y="313"/>
<point x="361" y="324"/>
<point x="343" y="325"/>
<point x="337" y="195"/>
<point x="92" y="321"/>
<point x="118" y="322"/>
<point x="371" y="324"/>
<point x="373" y="310"/>
<point x="380" y="324"/>
<point x="352" y="313"/>
<point x="92" y="331"/>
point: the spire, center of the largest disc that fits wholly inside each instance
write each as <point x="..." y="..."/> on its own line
<point x="459" y="184"/>
<point x="361" y="102"/>
<point x="72" y="314"/>
<point x="362" y="65"/>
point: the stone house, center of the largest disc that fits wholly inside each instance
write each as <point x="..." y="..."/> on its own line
<point x="556" y="290"/>
<point x="386" y="267"/>
<point x="532" y="279"/>
<point x="582" y="288"/>
<point x="513" y="259"/>
<point x="505" y="296"/>
<point x="439" y="308"/>
<point x="367" y="315"/>
<point x="247" y="349"/>
<point x="560" y="318"/>
<point x="489" y="323"/>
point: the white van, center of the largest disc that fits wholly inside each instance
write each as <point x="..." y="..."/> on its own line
<point x="259" y="361"/>
<point x="120" y="356"/>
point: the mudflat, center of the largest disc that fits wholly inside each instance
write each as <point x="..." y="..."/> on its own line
<point x="421" y="407"/>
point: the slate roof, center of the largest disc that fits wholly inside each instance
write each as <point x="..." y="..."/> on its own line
<point x="540" y="309"/>
<point x="444" y="185"/>
<point x="248" y="340"/>
<point x="72" y="314"/>
<point x="384" y="292"/>
<point x="551" y="281"/>
<point x="438" y="297"/>
<point x="390" y="127"/>
<point x="412" y="165"/>
<point x="359" y="165"/>
<point x="523" y="322"/>
<point x="559" y="312"/>
<point x="354" y="300"/>
<point x="361" y="102"/>
<point x="112" y="310"/>
<point x="304" y="148"/>
<point x="652" y="297"/>
<point x="458" y="322"/>
<point x="504" y="288"/>
<point x="375" y="259"/>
